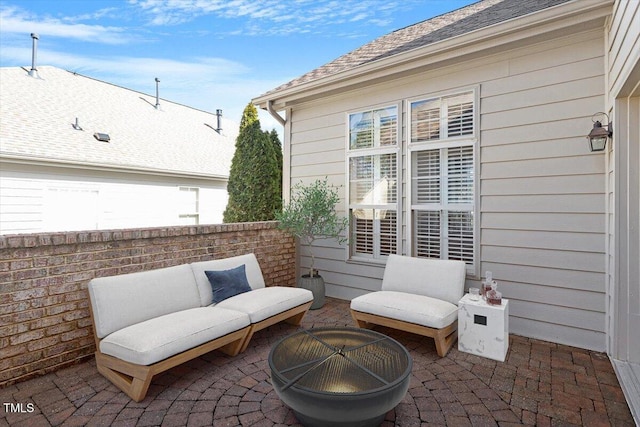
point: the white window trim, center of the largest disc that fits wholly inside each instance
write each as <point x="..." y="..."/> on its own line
<point x="468" y="140"/>
<point x="397" y="150"/>
<point x="195" y="214"/>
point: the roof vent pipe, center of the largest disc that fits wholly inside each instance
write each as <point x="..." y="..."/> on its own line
<point x="219" y="115"/>
<point x="34" y="53"/>
<point x="157" y="94"/>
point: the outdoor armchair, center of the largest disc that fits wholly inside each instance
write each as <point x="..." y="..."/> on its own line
<point x="418" y="295"/>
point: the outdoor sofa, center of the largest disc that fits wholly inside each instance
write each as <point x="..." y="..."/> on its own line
<point x="148" y="322"/>
<point x="418" y="295"/>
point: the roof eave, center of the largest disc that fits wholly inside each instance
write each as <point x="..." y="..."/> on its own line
<point x="553" y="19"/>
<point x="38" y="161"/>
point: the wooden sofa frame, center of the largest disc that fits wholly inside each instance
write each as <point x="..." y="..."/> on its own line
<point x="134" y="379"/>
<point x="292" y="316"/>
<point x="444" y="337"/>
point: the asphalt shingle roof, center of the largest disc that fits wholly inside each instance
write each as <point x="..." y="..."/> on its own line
<point x="37" y="117"/>
<point x="461" y="21"/>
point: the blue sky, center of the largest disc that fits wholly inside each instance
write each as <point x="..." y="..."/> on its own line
<point x="208" y="54"/>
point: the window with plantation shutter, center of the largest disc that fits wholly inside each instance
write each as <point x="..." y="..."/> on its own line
<point x="459" y="115"/>
<point x="443" y="180"/>
<point x="376" y="128"/>
<point x="425" y="118"/>
<point x="443" y="203"/>
<point x="373" y="182"/>
<point x="442" y="118"/>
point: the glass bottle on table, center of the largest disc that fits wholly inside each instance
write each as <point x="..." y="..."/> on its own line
<point x="486" y="285"/>
<point x="493" y="296"/>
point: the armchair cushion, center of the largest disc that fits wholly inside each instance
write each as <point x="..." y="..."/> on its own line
<point x="435" y="278"/>
<point x="418" y="309"/>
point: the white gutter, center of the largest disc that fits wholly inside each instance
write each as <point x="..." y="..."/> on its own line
<point x="274" y="113"/>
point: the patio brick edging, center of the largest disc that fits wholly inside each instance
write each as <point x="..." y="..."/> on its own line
<point x="44" y="308"/>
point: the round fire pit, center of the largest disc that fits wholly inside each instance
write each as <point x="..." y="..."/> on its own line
<point x="340" y="376"/>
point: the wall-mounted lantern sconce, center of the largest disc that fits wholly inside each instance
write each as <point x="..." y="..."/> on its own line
<point x="599" y="134"/>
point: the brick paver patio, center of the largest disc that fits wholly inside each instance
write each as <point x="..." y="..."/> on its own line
<point x="540" y="383"/>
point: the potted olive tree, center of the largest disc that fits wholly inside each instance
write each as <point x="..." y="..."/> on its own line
<point x="310" y="216"/>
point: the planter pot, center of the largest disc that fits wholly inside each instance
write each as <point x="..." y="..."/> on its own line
<point x="316" y="285"/>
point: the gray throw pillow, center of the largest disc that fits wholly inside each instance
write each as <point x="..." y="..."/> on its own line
<point x="227" y="283"/>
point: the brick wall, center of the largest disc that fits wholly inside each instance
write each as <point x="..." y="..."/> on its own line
<point x="44" y="307"/>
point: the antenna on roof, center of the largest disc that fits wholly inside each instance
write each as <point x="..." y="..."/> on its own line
<point x="34" y="52"/>
<point x="219" y="115"/>
<point x="157" y="94"/>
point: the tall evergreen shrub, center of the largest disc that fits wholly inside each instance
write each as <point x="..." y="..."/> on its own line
<point x="254" y="185"/>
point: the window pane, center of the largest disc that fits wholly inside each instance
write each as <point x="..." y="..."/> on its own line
<point x="361" y="130"/>
<point x="460" y="115"/>
<point x="362" y="231"/>
<point x="385" y="186"/>
<point x="461" y="236"/>
<point x="388" y="233"/>
<point x="456" y="113"/>
<point x="427" y="234"/>
<point x="460" y="175"/>
<point x="374" y="232"/>
<point x="360" y="178"/>
<point x="372" y="179"/>
<point x="373" y="128"/>
<point x="425" y="120"/>
<point x="388" y="119"/>
<point x="426" y="177"/>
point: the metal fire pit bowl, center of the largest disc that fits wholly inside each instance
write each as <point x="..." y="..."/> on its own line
<point x="340" y="376"/>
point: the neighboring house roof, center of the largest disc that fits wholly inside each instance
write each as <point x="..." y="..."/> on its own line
<point x="458" y="22"/>
<point x="37" y="117"/>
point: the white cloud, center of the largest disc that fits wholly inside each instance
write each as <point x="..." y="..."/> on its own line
<point x="16" y="21"/>
<point x="359" y="17"/>
<point x="266" y="17"/>
<point x="108" y="12"/>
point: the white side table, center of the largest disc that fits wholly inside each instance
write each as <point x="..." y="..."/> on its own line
<point x="483" y="329"/>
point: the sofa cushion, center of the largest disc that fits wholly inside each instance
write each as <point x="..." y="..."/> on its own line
<point x="418" y="309"/>
<point x="441" y="279"/>
<point x="165" y="336"/>
<point x="227" y="283"/>
<point x="262" y="303"/>
<point x="127" y="299"/>
<point x="252" y="270"/>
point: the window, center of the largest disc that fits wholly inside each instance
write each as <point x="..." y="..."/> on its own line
<point x="442" y="168"/>
<point x="442" y="118"/>
<point x="373" y="183"/>
<point x="188" y="202"/>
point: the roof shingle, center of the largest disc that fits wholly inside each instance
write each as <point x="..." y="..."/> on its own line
<point x="37" y="117"/>
<point x="461" y="21"/>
